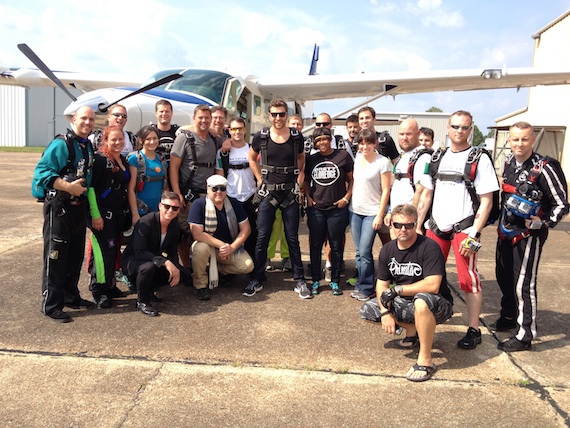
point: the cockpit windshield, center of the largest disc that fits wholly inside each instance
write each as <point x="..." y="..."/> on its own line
<point x="207" y="83"/>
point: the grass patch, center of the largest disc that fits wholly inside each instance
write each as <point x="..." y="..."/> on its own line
<point x="22" y="149"/>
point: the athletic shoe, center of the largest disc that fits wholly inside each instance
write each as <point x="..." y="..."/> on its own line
<point x="514" y="345"/>
<point x="121" y="277"/>
<point x="81" y="303"/>
<point x="471" y="339"/>
<point x="328" y="274"/>
<point x="361" y="296"/>
<point x="286" y="265"/>
<point x="252" y="287"/>
<point x="335" y="289"/>
<point x="268" y="266"/>
<point x="315" y="287"/>
<point x="104" y="302"/>
<point x="302" y="289"/>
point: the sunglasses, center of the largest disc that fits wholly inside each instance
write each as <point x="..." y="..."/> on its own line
<point x="279" y="113"/>
<point x="170" y="207"/>
<point x="319" y="124"/>
<point x="463" y="128"/>
<point x="407" y="226"/>
<point x="236" y="129"/>
<point x="124" y="116"/>
<point x="218" y="188"/>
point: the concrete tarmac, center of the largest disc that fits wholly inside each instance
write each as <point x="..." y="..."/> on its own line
<point x="272" y="360"/>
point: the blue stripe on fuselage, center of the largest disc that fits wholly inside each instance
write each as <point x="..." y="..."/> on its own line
<point x="174" y="96"/>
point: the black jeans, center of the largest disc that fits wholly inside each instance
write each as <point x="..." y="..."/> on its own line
<point x="149" y="277"/>
<point x="265" y="218"/>
<point x="323" y="224"/>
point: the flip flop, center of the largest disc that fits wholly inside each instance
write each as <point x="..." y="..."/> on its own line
<point x="409" y="342"/>
<point x="429" y="371"/>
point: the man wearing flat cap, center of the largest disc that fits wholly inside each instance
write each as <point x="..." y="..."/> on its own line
<point x="219" y="226"/>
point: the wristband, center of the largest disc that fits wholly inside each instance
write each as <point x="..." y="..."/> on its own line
<point x="384" y="313"/>
<point x="475" y="234"/>
<point x="344" y="199"/>
<point x="398" y="289"/>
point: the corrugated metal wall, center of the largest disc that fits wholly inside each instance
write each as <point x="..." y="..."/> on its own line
<point x="13" y="116"/>
<point x="32" y="117"/>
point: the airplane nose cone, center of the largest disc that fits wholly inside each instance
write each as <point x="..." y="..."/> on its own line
<point x="91" y="99"/>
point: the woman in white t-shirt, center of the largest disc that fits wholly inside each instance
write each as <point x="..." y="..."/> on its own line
<point x="370" y="195"/>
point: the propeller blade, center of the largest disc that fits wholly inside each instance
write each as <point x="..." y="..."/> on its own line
<point x="103" y="107"/>
<point x="25" y="49"/>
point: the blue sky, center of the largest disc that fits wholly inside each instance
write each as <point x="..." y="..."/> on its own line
<point x="276" y="38"/>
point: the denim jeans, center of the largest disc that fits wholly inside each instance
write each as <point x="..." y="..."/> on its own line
<point x="363" y="235"/>
<point x="323" y="224"/>
<point x="265" y="218"/>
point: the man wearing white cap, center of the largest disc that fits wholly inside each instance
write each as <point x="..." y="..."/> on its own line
<point x="219" y="226"/>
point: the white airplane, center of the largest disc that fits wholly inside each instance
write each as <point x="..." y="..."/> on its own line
<point x="249" y="97"/>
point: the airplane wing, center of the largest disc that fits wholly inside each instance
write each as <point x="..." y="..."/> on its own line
<point x="321" y="87"/>
<point x="85" y="82"/>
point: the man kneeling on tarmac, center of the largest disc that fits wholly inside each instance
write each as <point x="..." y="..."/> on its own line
<point x="419" y="298"/>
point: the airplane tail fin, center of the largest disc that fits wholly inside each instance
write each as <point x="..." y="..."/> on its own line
<point x="313" y="68"/>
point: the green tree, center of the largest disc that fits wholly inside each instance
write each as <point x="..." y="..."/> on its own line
<point x="478" y="137"/>
<point x="434" y="109"/>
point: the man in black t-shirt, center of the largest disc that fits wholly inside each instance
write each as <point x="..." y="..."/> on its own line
<point x="279" y="177"/>
<point x="165" y="130"/>
<point x="419" y="299"/>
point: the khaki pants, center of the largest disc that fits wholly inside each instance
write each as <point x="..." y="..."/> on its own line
<point x="240" y="263"/>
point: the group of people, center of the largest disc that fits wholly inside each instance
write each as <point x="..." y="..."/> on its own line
<point x="203" y="203"/>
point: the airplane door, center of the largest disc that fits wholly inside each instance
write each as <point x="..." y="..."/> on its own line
<point x="237" y="101"/>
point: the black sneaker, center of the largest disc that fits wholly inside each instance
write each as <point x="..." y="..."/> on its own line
<point x="471" y="339"/>
<point x="104" y="302"/>
<point x="59" y="316"/>
<point x="504" y="324"/>
<point x="514" y="345"/>
<point x="252" y="287"/>
<point x="203" y="294"/>
<point x="302" y="289"/>
<point x="81" y="303"/>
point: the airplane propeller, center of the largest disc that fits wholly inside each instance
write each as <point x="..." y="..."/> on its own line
<point x="104" y="106"/>
<point x="25" y="49"/>
<point x="30" y="54"/>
